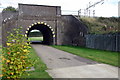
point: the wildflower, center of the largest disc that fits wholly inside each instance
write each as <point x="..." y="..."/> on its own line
<point x="11" y="62"/>
<point x="8" y="61"/>
<point x="8" y="53"/>
<point x="18" y="52"/>
<point x="8" y="44"/>
<point x="25" y="46"/>
<point x="25" y="50"/>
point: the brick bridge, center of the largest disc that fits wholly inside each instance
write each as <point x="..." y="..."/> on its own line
<point x="57" y="29"/>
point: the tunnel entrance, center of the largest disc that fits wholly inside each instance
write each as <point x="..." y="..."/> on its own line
<point x="40" y="34"/>
<point x="35" y="36"/>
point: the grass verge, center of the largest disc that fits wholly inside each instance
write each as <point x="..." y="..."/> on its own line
<point x="35" y="38"/>
<point x="96" y="55"/>
<point x="0" y="60"/>
<point x="39" y="66"/>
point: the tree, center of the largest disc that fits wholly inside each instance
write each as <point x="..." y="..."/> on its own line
<point x="9" y="8"/>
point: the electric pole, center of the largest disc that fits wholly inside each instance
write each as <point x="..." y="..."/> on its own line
<point x="93" y="5"/>
<point x="87" y="11"/>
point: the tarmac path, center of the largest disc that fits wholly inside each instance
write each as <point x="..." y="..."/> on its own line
<point x="65" y="65"/>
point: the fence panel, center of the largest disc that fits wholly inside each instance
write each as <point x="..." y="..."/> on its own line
<point x="109" y="42"/>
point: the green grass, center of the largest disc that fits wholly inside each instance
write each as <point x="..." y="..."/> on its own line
<point x="39" y="66"/>
<point x="96" y="55"/>
<point x="35" y="38"/>
<point x="0" y="59"/>
<point x="0" y="46"/>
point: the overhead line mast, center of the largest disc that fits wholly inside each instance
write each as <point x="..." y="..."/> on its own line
<point x="86" y="10"/>
<point x="94" y="4"/>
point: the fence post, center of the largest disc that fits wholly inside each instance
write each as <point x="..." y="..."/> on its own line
<point x="116" y="40"/>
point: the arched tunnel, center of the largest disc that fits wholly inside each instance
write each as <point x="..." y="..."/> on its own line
<point x="47" y="33"/>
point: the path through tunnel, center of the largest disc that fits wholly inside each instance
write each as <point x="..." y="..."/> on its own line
<point x="43" y="32"/>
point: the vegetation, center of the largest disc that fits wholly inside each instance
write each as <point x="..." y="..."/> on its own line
<point x="15" y="57"/>
<point x="101" y="25"/>
<point x="35" y="38"/>
<point x="19" y="57"/>
<point x="0" y="61"/>
<point x="96" y="55"/>
<point x="9" y="8"/>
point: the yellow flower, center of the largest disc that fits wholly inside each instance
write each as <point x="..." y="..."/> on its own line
<point x="8" y="61"/>
<point x="25" y="50"/>
<point x="11" y="62"/>
<point x="18" y="52"/>
<point x="8" y="44"/>
<point x="25" y="46"/>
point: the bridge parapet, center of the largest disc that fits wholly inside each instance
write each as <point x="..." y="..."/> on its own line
<point x="39" y="10"/>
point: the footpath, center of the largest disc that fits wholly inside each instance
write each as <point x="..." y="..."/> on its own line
<point x="65" y="65"/>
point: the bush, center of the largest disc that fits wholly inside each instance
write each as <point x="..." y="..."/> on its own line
<point x="16" y="55"/>
<point x="9" y="8"/>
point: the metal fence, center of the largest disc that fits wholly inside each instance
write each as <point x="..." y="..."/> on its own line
<point x="109" y="42"/>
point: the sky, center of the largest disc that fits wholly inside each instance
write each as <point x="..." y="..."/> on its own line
<point x="108" y="9"/>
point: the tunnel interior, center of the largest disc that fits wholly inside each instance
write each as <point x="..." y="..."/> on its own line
<point x="46" y="33"/>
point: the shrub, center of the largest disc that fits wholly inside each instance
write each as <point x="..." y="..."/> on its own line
<point x="9" y="8"/>
<point x="16" y="55"/>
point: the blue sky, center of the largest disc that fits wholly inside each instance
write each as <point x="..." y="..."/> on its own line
<point x="108" y="9"/>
